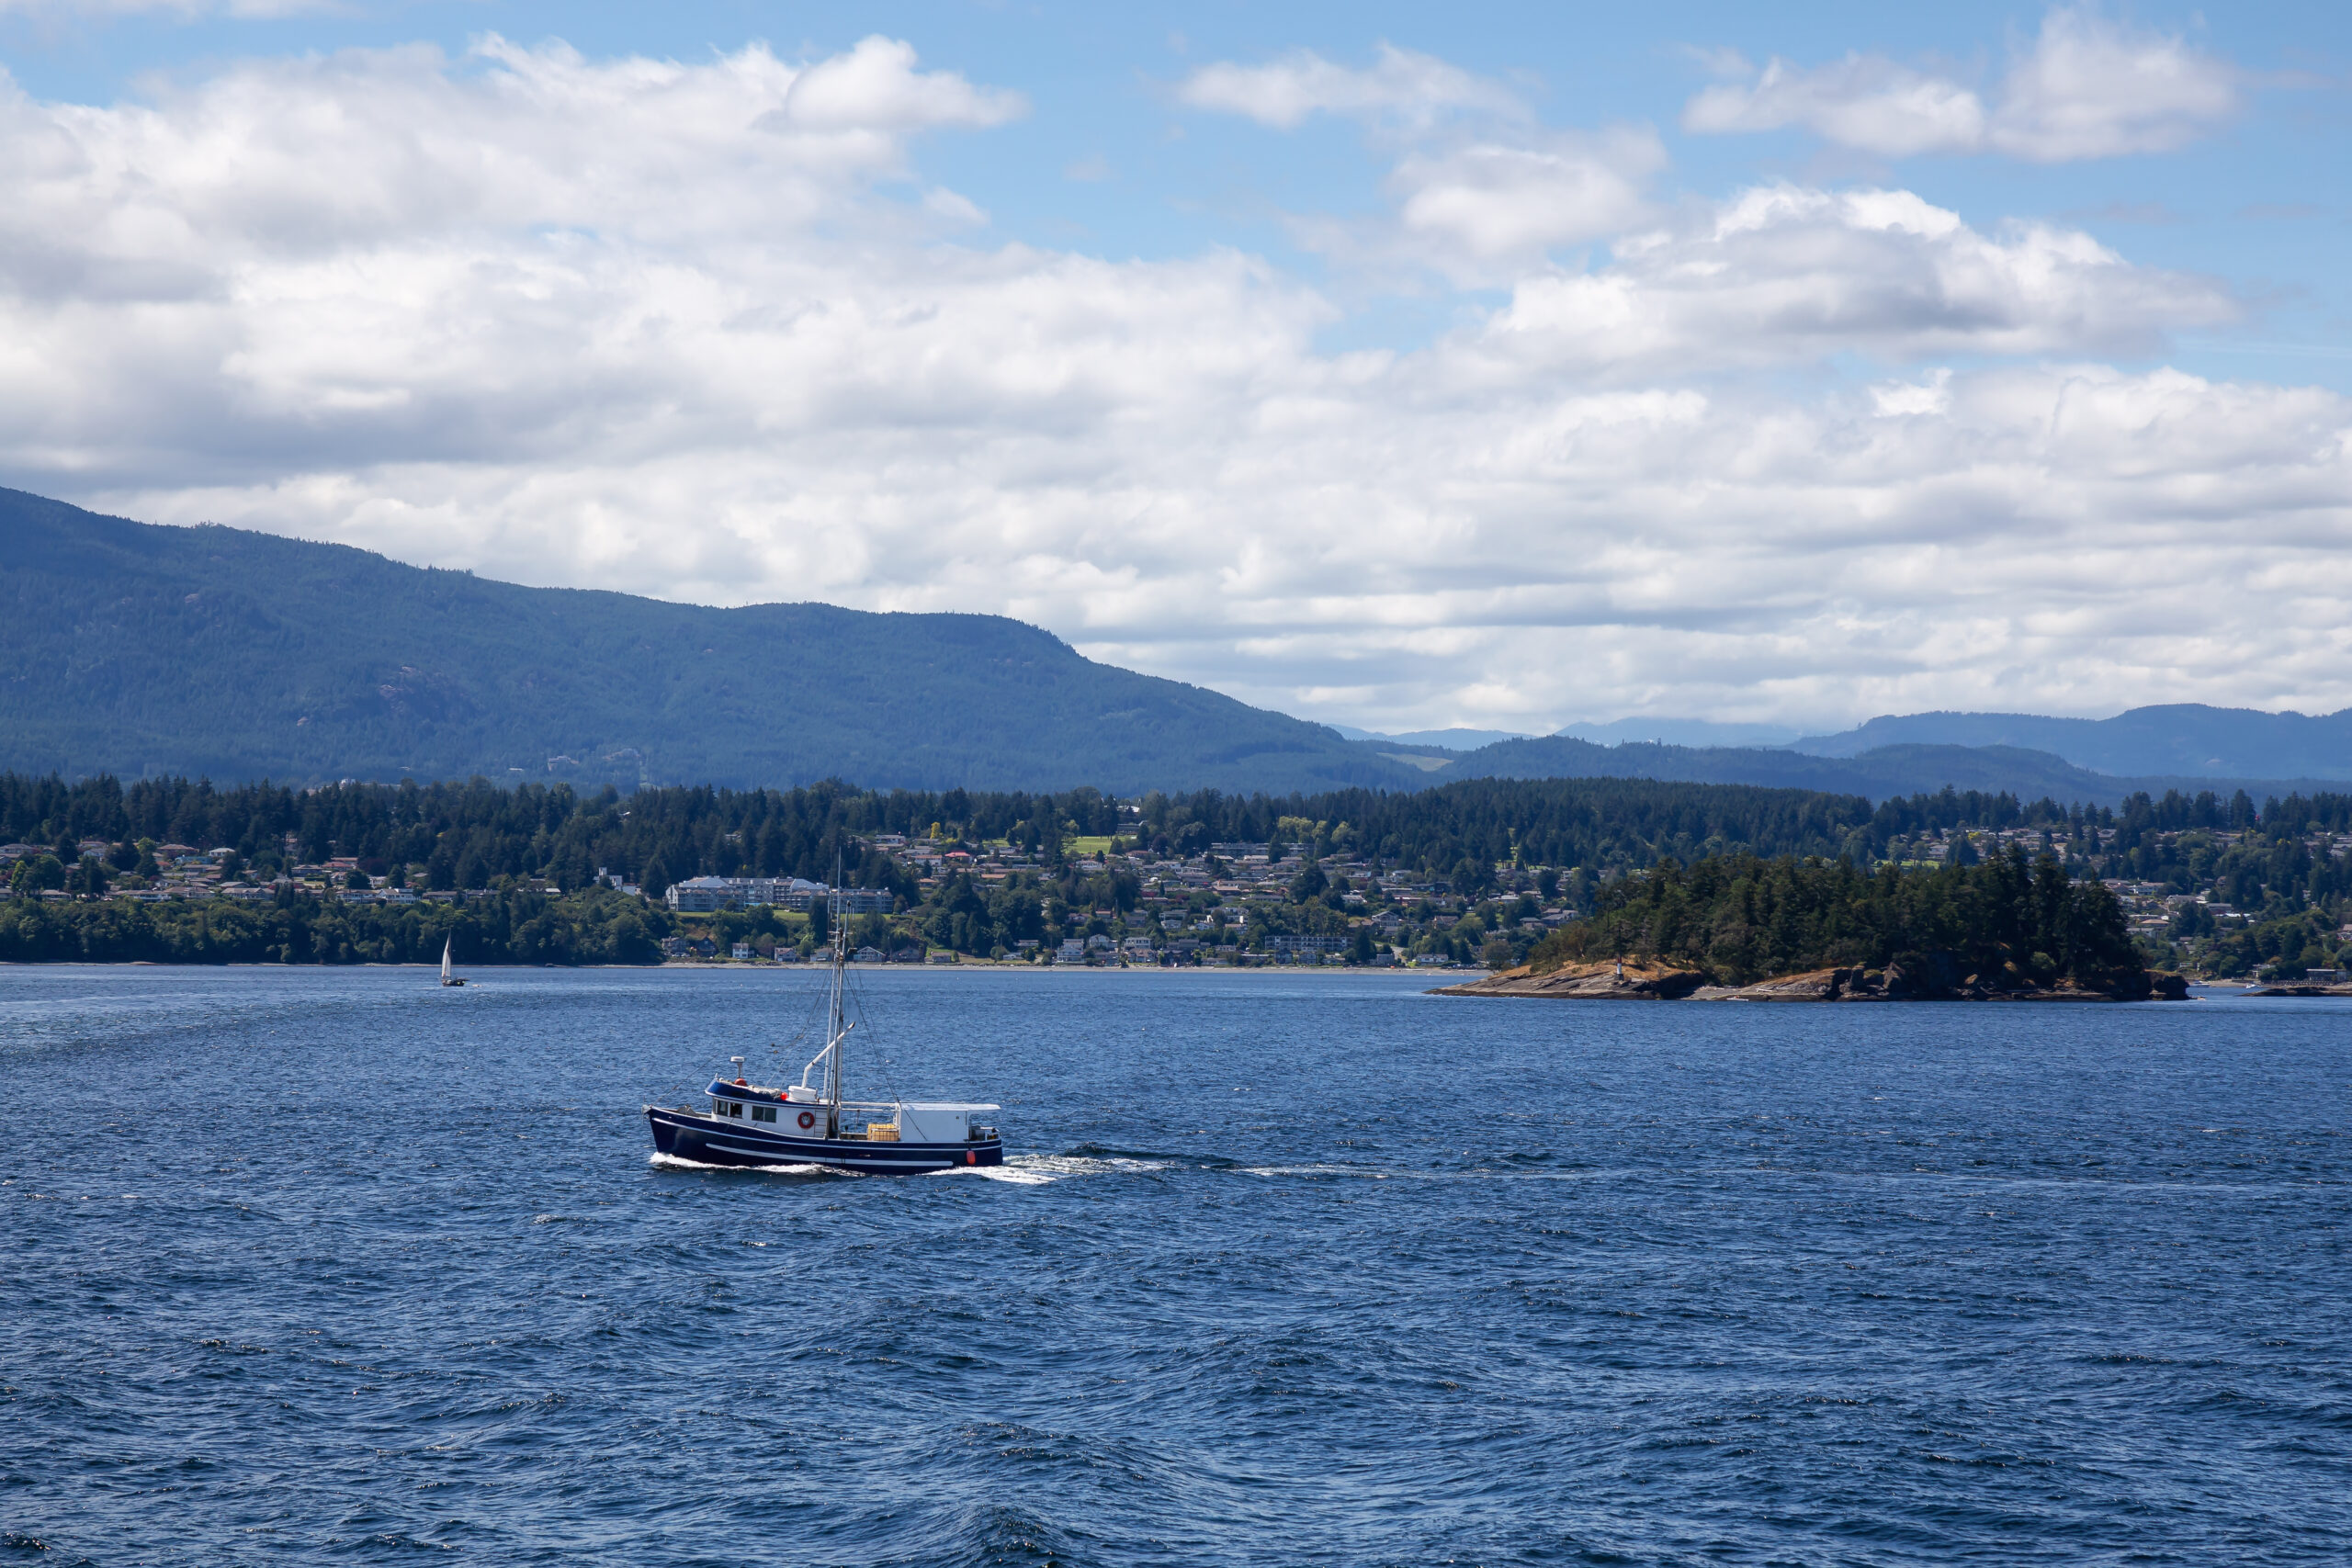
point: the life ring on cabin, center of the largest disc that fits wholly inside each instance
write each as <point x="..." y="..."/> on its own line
<point x="807" y="1120"/>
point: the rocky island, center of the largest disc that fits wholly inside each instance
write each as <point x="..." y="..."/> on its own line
<point x="1737" y="928"/>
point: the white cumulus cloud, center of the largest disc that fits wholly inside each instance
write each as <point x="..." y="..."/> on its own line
<point x="703" y="331"/>
<point x="1859" y="101"/>
<point x="1400" y="86"/>
<point x="2089" y="87"/>
<point x="875" y="87"/>
<point x="1491" y="200"/>
<point x="1786" y="274"/>
<point x="1481" y="191"/>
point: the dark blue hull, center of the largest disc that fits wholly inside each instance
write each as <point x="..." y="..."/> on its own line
<point x="708" y="1141"/>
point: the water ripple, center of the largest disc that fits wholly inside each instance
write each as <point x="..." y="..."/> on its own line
<point x="1280" y="1269"/>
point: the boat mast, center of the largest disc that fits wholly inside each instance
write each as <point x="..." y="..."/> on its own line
<point x="833" y="1028"/>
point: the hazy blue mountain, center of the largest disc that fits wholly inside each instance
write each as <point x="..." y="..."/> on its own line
<point x="1887" y="771"/>
<point x="2188" y="739"/>
<point x="1682" y="732"/>
<point x="130" y="649"/>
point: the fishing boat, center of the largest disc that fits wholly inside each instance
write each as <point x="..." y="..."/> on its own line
<point x="449" y="977"/>
<point x="744" y="1123"/>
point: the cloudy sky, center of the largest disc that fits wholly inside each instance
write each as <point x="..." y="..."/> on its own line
<point x="1504" y="365"/>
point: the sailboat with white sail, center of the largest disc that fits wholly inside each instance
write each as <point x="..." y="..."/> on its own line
<point x="448" y="975"/>
<point x="813" y="1124"/>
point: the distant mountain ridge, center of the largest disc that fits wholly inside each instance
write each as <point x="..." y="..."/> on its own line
<point x="130" y="649"/>
<point x="1886" y="770"/>
<point x="127" y="648"/>
<point x="2183" y="739"/>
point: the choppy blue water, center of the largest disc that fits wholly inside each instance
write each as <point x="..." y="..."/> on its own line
<point x="339" y="1266"/>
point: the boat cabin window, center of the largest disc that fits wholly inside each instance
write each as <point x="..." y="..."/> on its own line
<point x="731" y="1108"/>
<point x="764" y="1114"/>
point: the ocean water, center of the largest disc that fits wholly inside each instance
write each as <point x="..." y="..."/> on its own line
<point x="1284" y="1268"/>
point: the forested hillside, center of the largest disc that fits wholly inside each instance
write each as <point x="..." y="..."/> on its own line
<point x="595" y="927"/>
<point x="137" y="650"/>
<point x="468" y="835"/>
<point x="1478" y="869"/>
<point x="1739" y="919"/>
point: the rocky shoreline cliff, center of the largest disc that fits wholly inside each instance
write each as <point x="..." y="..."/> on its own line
<point x="1634" y="982"/>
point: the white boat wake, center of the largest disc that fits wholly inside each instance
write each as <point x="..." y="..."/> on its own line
<point x="678" y="1162"/>
<point x="1036" y="1170"/>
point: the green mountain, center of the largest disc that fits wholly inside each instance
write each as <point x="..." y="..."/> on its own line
<point x="132" y="650"/>
<point x="135" y="649"/>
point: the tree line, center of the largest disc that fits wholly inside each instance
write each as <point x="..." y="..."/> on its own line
<point x="1590" y="833"/>
<point x="468" y="835"/>
<point x="595" y="927"/>
<point x="1741" y="918"/>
